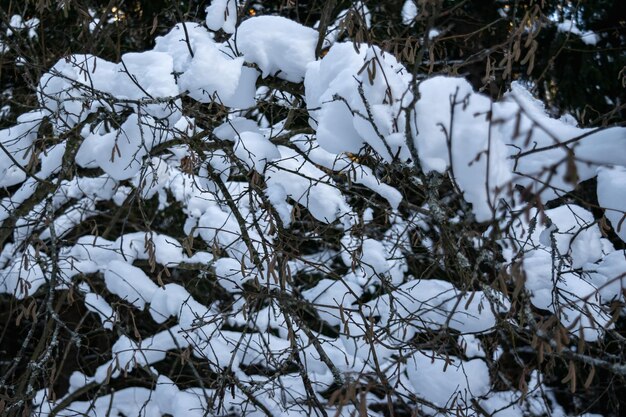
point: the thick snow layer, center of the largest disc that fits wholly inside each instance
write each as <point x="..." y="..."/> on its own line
<point x="358" y="173"/>
<point x="569" y="26"/>
<point x="255" y="150"/>
<point x="552" y="256"/>
<point x="571" y="298"/>
<point x="409" y="12"/>
<point x="222" y="14"/>
<point x="358" y="98"/>
<point x="211" y="76"/>
<point x="120" y="153"/>
<point x="232" y="128"/>
<point x="612" y="197"/>
<point x="354" y="98"/>
<point x="447" y="381"/>
<point x="17" y="142"/>
<point x="567" y="155"/>
<point x="293" y="177"/>
<point x="572" y="233"/>
<point x="487" y="153"/>
<point x="279" y="46"/>
<point x="167" y="302"/>
<point x="178" y="42"/>
<point x="129" y="283"/>
<point x="430" y="304"/>
<point x="608" y="276"/>
<point x="454" y="131"/>
<point x="96" y="304"/>
<point x="139" y="76"/>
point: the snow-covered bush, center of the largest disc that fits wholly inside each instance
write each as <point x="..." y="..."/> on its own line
<point x="234" y="223"/>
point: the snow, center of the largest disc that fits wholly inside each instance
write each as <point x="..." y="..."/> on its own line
<point x="255" y="151"/>
<point x="22" y="277"/>
<point x="360" y="174"/>
<point x="612" y="196"/>
<point x="608" y="276"/>
<point x="17" y="23"/>
<point x="345" y="87"/>
<point x="574" y="234"/>
<point x="451" y="384"/>
<point x="16" y="142"/>
<point x="553" y="255"/>
<point x="433" y="33"/>
<point x="222" y="14"/>
<point x="145" y="74"/>
<point x="569" y="26"/>
<point x="330" y="295"/>
<point x="293" y="177"/>
<point x="178" y="42"/>
<point x="96" y="304"/>
<point x="119" y="153"/>
<point x="409" y="12"/>
<point x="454" y="132"/>
<point x="361" y="282"/>
<point x="129" y="283"/>
<point x="433" y="303"/>
<point x="279" y="46"/>
<point x="212" y="75"/>
<point x="229" y="274"/>
<point x="232" y="128"/>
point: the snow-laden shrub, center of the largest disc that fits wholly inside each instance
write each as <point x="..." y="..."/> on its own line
<point x="258" y="231"/>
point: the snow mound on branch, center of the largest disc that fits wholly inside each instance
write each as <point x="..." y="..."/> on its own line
<point x="488" y="146"/>
<point x="608" y="276"/>
<point x="279" y="46"/>
<point x="572" y="233"/>
<point x="454" y="132"/>
<point x="180" y="41"/>
<point x="553" y="255"/>
<point x="409" y="12"/>
<point x="75" y="85"/>
<point x="222" y="14"/>
<point x="97" y="304"/>
<point x="548" y="151"/>
<point x="129" y="283"/>
<point x="355" y="95"/>
<point x="424" y="305"/>
<point x="255" y="150"/>
<point x="142" y="84"/>
<point x="295" y="178"/>
<point x="211" y="75"/>
<point x="569" y="26"/>
<point x="358" y="173"/>
<point x="447" y="382"/>
<point x="120" y="152"/>
<point x="612" y="197"/>
<point x="570" y="297"/>
<point x="16" y="142"/>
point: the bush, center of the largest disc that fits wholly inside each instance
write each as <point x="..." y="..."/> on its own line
<point x="296" y="208"/>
